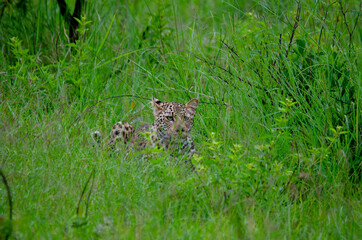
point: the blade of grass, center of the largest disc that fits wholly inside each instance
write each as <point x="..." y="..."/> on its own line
<point x="106" y="36"/>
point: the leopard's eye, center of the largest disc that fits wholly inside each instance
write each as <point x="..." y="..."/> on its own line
<point x="170" y="118"/>
<point x="186" y="118"/>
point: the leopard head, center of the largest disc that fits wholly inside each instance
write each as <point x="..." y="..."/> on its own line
<point x="172" y="119"/>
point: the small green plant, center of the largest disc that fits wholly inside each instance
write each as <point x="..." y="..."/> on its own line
<point x="25" y="64"/>
<point x="78" y="68"/>
<point x="16" y="48"/>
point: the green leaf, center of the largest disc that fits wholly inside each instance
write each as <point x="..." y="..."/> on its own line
<point x="330" y="139"/>
<point x="105" y="37"/>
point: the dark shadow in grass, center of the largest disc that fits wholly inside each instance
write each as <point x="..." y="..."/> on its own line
<point x="6" y="226"/>
<point x="78" y="220"/>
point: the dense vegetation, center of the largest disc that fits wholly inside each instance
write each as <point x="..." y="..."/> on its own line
<point x="278" y="128"/>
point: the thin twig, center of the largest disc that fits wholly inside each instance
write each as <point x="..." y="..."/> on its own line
<point x="320" y="34"/>
<point x="229" y="72"/>
<point x="359" y="12"/>
<point x="225" y="70"/>
<point x="280" y="57"/>
<point x="83" y="191"/>
<point x="344" y="16"/>
<point x="296" y="23"/>
<point x="7" y="187"/>
<point x="90" y="192"/>
<point x="354" y="27"/>
<point x="2" y="11"/>
<point x="335" y="30"/>
<point x="350" y="32"/>
<point x="346" y="23"/>
<point x="256" y="71"/>
<point x="242" y="80"/>
<point x="232" y="50"/>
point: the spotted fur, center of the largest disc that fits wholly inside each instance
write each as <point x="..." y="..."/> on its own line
<point x="172" y="125"/>
<point x="170" y="129"/>
<point x="121" y="131"/>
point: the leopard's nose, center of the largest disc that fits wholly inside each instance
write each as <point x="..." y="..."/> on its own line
<point x="180" y="130"/>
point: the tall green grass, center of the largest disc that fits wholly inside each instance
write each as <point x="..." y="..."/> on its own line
<point x="278" y="128"/>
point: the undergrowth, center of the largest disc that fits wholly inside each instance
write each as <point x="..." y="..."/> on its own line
<point x="277" y="130"/>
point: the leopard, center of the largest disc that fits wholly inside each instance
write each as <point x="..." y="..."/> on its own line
<point x="170" y="130"/>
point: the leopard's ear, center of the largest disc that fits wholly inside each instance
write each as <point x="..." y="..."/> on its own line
<point x="156" y="104"/>
<point x="191" y="106"/>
